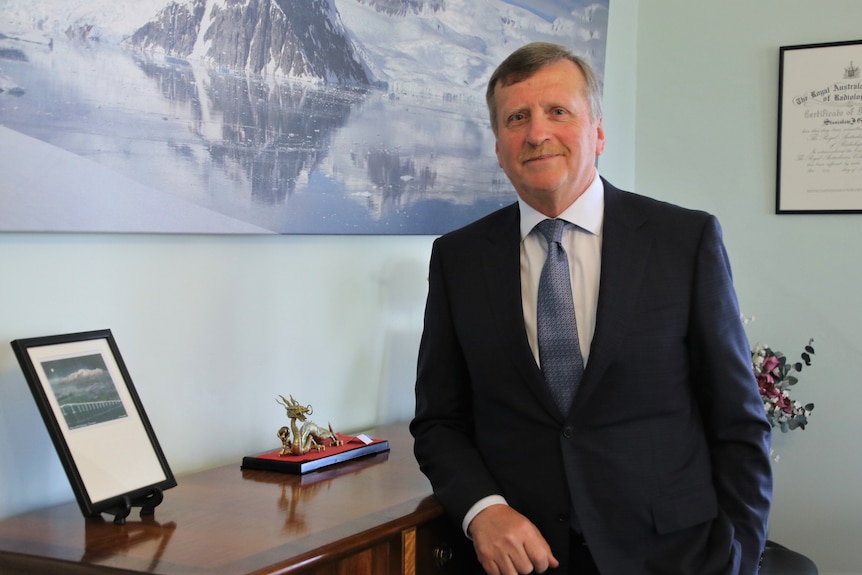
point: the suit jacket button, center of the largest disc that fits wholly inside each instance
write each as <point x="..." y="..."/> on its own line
<point x="562" y="518"/>
<point x="568" y="431"/>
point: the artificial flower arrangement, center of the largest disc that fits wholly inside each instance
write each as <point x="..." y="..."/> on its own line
<point x="775" y="375"/>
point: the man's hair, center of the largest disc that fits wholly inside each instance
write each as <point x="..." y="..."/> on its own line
<point x="529" y="59"/>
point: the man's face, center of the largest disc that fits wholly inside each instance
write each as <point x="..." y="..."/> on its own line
<point x="546" y="141"/>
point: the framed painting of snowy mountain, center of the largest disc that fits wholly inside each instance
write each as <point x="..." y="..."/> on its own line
<point x="261" y="116"/>
<point x="96" y="421"/>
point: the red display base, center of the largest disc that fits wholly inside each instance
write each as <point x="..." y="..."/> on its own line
<point x="352" y="448"/>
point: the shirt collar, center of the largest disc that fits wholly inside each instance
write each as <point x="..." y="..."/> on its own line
<point x="587" y="212"/>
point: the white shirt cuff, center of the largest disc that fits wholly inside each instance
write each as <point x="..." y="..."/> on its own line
<point x="479" y="506"/>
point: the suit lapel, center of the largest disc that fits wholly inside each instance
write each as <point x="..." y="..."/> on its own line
<point x="502" y="272"/>
<point x="625" y="250"/>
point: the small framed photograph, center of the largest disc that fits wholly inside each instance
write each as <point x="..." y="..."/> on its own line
<point x="96" y="421"/>
<point x="820" y="129"/>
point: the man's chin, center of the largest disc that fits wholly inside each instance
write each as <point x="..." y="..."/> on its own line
<point x="543" y="186"/>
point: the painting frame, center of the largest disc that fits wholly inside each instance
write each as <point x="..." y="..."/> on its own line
<point x="819" y="161"/>
<point x="96" y="421"/>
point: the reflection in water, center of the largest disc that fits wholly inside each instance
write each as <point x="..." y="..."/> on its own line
<point x="289" y="157"/>
<point x="271" y="133"/>
<point x="388" y="172"/>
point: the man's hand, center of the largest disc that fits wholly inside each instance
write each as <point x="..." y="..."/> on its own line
<point x="507" y="543"/>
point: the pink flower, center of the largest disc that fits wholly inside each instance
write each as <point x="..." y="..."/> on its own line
<point x="770" y="363"/>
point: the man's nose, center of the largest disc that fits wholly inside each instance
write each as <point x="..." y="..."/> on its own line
<point x="538" y="131"/>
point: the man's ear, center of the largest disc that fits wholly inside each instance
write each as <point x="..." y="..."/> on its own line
<point x="600" y="138"/>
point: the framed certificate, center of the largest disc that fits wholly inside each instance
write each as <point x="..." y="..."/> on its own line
<point x="96" y="422"/>
<point x="820" y="129"/>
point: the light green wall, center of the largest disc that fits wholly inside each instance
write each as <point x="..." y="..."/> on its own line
<point x="707" y="93"/>
<point x="212" y="329"/>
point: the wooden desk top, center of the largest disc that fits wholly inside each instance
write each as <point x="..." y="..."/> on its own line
<point x="230" y="521"/>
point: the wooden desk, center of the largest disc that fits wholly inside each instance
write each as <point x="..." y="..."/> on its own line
<point x="370" y="516"/>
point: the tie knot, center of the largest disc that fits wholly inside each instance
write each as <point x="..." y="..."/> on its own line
<point x="552" y="229"/>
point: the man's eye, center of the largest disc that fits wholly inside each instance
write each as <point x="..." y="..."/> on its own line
<point x="559" y="111"/>
<point x="516" y="117"/>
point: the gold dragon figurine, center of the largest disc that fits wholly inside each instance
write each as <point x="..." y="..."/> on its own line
<point x="298" y="440"/>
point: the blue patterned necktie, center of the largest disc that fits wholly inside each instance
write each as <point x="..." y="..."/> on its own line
<point x="559" y="350"/>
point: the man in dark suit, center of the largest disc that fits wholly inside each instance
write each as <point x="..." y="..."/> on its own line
<point x="659" y="464"/>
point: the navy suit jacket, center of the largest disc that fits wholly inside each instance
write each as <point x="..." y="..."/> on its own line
<point x="664" y="455"/>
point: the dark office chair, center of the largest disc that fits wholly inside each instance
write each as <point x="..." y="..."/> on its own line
<point x="779" y="560"/>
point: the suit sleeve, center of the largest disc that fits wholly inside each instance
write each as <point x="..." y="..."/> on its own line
<point x="443" y="424"/>
<point x="734" y="418"/>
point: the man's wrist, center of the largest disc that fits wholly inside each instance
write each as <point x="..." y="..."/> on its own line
<point x="477" y="508"/>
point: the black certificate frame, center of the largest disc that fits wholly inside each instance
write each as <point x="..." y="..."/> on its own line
<point x="96" y="421"/>
<point x="819" y="156"/>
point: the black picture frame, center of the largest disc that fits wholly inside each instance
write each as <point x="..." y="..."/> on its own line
<point x="819" y="160"/>
<point x="96" y="421"/>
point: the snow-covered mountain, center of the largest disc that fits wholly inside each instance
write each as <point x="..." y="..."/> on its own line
<point x="449" y="46"/>
<point x="294" y="38"/>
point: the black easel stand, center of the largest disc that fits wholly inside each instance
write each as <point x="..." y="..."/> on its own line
<point x="146" y="502"/>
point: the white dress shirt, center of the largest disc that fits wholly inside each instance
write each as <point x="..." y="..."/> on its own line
<point x="582" y="240"/>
